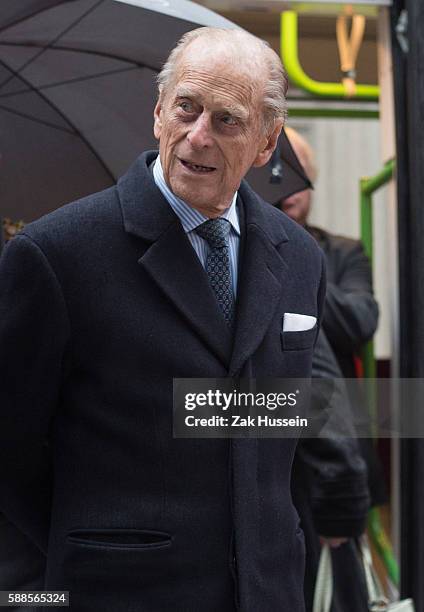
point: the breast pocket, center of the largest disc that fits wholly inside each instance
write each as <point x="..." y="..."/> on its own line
<point x="298" y="340"/>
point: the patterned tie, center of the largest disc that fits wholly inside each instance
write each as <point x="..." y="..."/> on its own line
<point x="216" y="232"/>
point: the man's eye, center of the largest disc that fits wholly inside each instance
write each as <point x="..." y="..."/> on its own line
<point x="187" y="107"/>
<point x="229" y="120"/>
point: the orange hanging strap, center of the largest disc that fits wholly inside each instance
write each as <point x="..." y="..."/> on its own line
<point x="349" y="46"/>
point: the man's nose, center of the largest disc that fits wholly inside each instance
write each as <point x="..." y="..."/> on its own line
<point x="200" y="134"/>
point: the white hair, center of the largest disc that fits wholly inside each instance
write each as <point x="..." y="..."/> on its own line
<point x="257" y="53"/>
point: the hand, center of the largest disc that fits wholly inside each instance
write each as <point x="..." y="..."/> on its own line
<point x="332" y="542"/>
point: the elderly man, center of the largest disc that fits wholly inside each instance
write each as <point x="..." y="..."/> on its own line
<point x="104" y="301"/>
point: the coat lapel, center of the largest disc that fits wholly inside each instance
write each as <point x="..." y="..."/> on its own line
<point x="175" y="267"/>
<point x="262" y="276"/>
<point x="170" y="260"/>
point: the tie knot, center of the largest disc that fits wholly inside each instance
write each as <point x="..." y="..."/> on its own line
<point x="215" y="232"/>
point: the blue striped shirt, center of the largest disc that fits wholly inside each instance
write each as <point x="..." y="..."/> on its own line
<point x="191" y="218"/>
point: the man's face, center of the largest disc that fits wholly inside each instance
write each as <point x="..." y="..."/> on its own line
<point x="209" y="127"/>
<point x="297" y="206"/>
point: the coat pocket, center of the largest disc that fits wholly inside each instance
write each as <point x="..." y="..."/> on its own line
<point x="298" y="340"/>
<point x="124" y="553"/>
<point x="131" y="539"/>
<point x="116" y="570"/>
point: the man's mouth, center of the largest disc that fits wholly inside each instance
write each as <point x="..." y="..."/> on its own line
<point x="196" y="167"/>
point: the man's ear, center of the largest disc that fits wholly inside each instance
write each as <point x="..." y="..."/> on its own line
<point x="157" y="115"/>
<point x="268" y="145"/>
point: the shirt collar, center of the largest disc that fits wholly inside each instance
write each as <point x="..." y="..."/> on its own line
<point x="190" y="217"/>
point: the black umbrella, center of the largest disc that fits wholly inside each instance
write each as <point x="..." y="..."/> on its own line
<point x="283" y="176"/>
<point x="77" y="91"/>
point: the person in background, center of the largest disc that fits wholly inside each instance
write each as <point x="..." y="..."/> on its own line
<point x="351" y="311"/>
<point x="338" y="509"/>
<point x="329" y="486"/>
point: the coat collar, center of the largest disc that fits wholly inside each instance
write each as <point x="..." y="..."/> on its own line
<point x="145" y="211"/>
<point x="174" y="266"/>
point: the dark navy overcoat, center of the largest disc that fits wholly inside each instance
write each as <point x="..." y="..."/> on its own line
<point x="103" y="302"/>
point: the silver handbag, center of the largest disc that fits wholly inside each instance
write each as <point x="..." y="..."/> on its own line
<point x="377" y="601"/>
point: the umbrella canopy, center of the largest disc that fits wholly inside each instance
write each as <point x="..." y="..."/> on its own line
<point x="283" y="176"/>
<point x="77" y="92"/>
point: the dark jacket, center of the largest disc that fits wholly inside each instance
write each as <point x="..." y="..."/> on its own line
<point x="103" y="302"/>
<point x="330" y="483"/>
<point x="337" y="497"/>
<point x="338" y="489"/>
<point x="351" y="312"/>
<point x="350" y="320"/>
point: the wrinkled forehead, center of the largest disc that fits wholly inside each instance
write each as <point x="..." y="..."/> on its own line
<point x="218" y="72"/>
<point x="204" y="83"/>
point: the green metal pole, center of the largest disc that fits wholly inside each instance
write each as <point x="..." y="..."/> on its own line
<point x="378" y="535"/>
<point x="370" y="185"/>
<point x="290" y="57"/>
<point x="367" y="188"/>
<point x="383" y="545"/>
<point x="336" y="113"/>
<point x="366" y="219"/>
<point x="368" y="360"/>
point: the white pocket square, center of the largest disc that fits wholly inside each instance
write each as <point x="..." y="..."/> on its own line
<point x="293" y="322"/>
